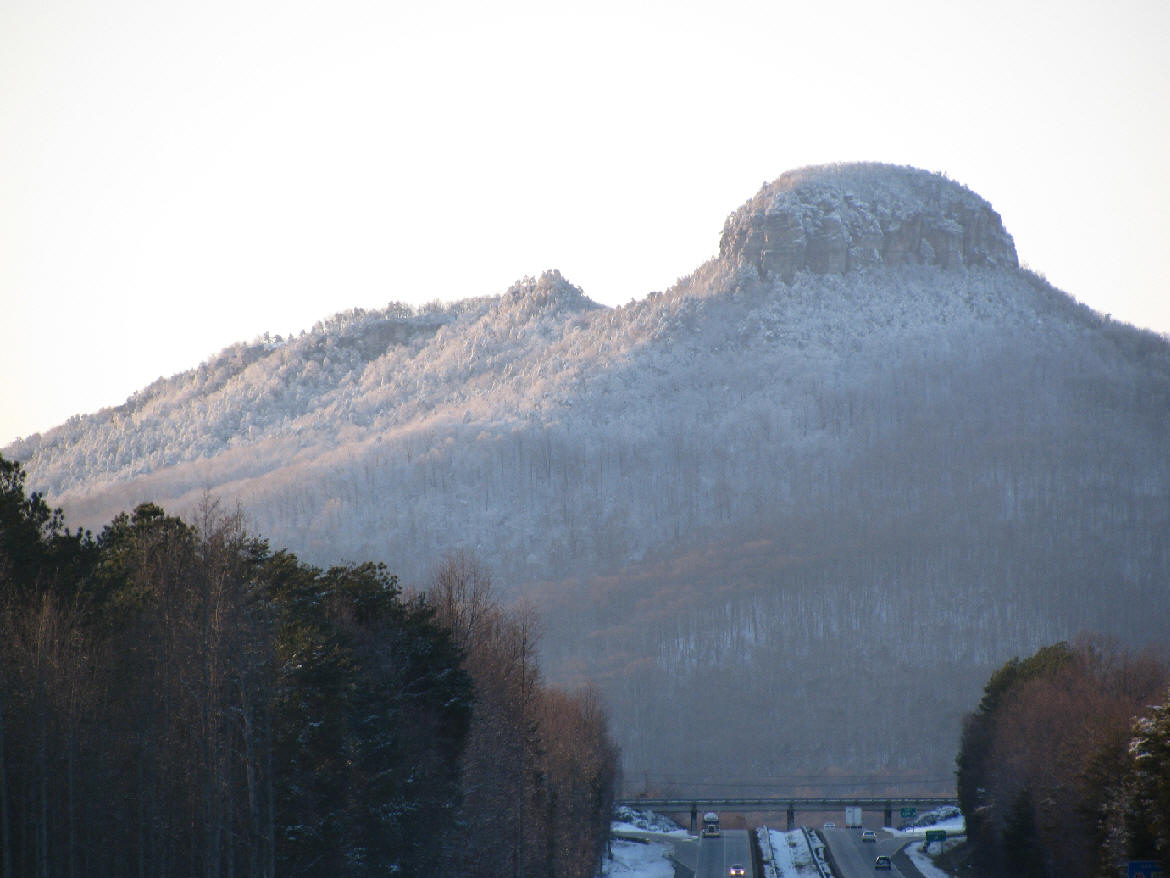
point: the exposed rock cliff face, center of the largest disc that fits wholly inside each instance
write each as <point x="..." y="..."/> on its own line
<point x="837" y="218"/>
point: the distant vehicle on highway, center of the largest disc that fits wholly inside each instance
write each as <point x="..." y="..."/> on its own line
<point x="868" y="835"/>
<point x="735" y="871"/>
<point x="710" y="825"/>
<point x="883" y="864"/>
<point x="830" y="826"/>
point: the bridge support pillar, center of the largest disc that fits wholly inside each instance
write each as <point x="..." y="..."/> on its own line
<point x="791" y="818"/>
<point x="889" y="816"/>
<point x="694" y="818"/>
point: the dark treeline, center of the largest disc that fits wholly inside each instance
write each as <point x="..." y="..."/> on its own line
<point x="1064" y="768"/>
<point x="179" y="699"/>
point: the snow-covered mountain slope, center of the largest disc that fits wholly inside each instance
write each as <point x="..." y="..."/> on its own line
<point x="859" y="440"/>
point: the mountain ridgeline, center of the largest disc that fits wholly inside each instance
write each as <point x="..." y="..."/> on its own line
<point x="790" y="513"/>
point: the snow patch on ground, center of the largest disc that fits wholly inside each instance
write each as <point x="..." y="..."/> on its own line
<point x="646" y="858"/>
<point x="628" y="819"/>
<point x="632" y="859"/>
<point x="790" y="854"/>
<point x="924" y="861"/>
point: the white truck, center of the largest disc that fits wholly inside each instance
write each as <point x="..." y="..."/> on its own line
<point x="853" y="816"/>
<point x="710" y="825"/>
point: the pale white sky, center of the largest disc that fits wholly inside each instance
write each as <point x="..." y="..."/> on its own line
<point x="178" y="176"/>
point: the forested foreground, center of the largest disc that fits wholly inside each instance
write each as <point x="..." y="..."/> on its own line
<point x="179" y="699"/>
<point x="1064" y="768"/>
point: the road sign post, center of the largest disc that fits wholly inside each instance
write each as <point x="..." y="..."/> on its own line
<point x="939" y="835"/>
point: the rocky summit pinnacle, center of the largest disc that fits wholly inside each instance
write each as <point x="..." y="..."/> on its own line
<point x="837" y="218"/>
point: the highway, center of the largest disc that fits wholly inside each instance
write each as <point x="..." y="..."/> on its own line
<point x="718" y="855"/>
<point x="855" y="857"/>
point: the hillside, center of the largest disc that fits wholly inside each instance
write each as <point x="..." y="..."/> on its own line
<point x="860" y="456"/>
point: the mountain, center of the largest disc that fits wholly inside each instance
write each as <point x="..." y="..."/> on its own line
<point x="789" y="513"/>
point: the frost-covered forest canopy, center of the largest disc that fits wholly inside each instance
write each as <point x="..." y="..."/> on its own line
<point x="861" y="457"/>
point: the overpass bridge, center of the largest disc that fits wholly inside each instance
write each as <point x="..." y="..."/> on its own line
<point x="790" y="805"/>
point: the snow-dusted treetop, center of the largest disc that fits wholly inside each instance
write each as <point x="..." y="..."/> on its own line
<point x="832" y="219"/>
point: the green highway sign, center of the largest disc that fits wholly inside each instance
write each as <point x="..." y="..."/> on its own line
<point x="936" y="835"/>
<point x="909" y="812"/>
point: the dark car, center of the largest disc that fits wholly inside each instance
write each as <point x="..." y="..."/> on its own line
<point x="735" y="871"/>
<point x="883" y="863"/>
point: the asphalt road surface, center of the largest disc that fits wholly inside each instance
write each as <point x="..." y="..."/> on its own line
<point x="718" y="855"/>
<point x="855" y="857"/>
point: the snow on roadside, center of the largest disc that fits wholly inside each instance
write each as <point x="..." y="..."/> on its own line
<point x="636" y="859"/>
<point x="622" y="826"/>
<point x="924" y="862"/>
<point x="628" y="819"/>
<point x="790" y="854"/>
<point x="632" y="859"/>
